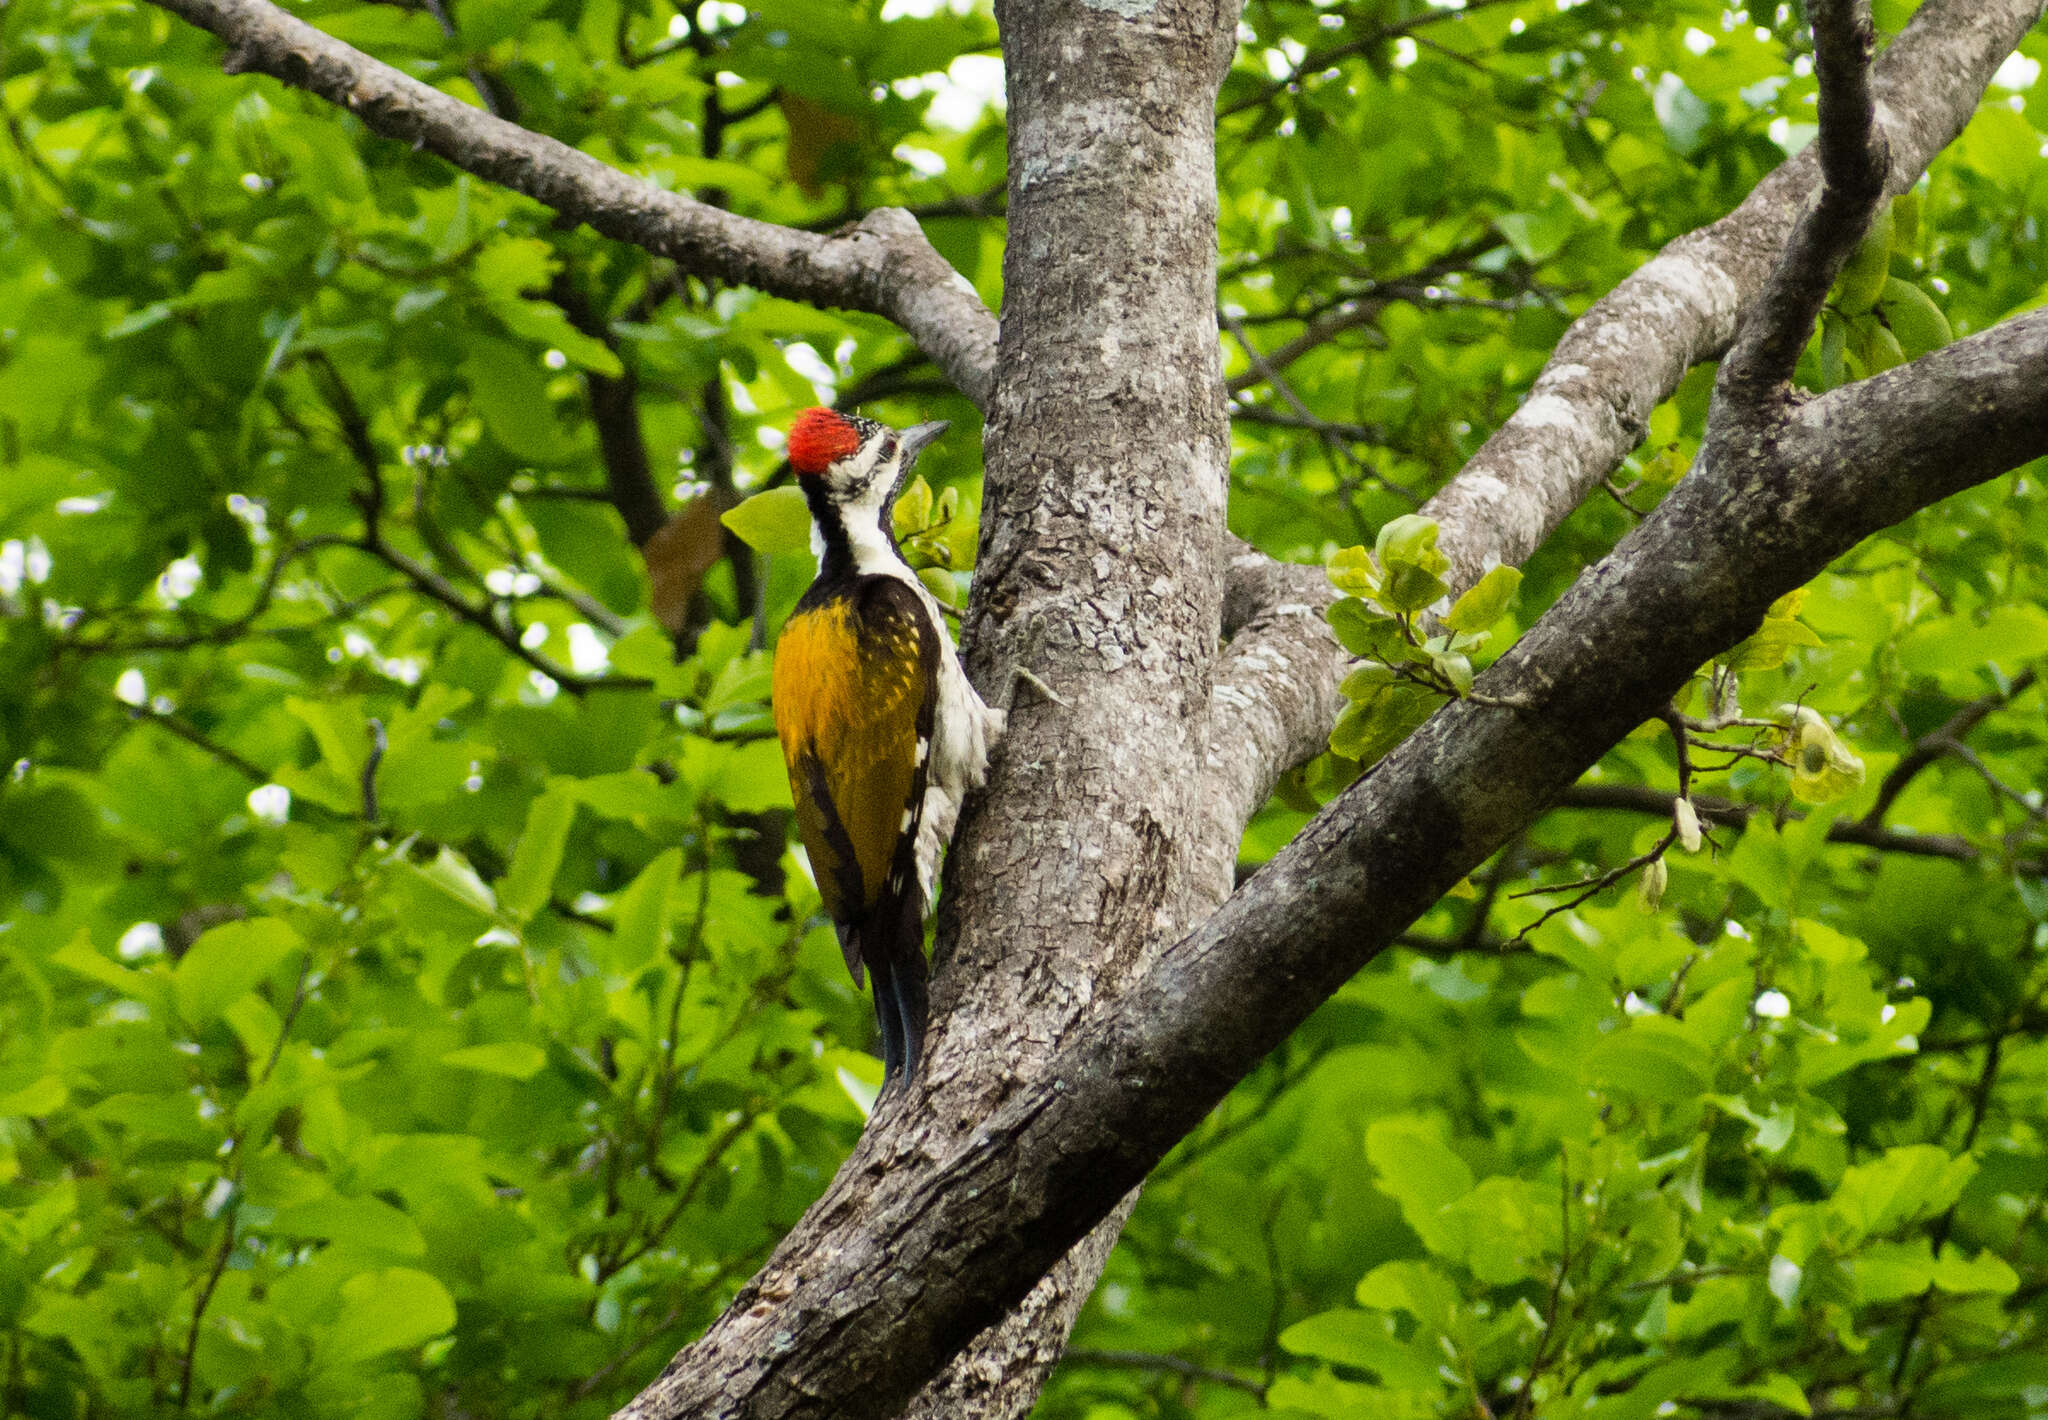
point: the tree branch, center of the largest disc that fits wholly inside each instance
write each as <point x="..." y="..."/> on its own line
<point x="615" y="409"/>
<point x="1653" y="802"/>
<point x="883" y="265"/>
<point x="1937" y="743"/>
<point x="1854" y="162"/>
<point x="1167" y="1365"/>
<point x="1271" y="704"/>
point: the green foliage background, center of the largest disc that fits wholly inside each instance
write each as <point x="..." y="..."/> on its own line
<point x="475" y="1075"/>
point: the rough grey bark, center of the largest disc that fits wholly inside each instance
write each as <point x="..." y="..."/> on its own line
<point x="883" y="265"/>
<point x="1107" y="478"/>
<point x="1854" y="161"/>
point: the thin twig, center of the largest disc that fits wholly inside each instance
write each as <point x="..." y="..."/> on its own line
<point x="196" y="737"/>
<point x="1980" y="1104"/>
<point x="1170" y="1365"/>
<point x="1938" y="742"/>
<point x="199" y="1305"/>
<point x="1320" y="59"/>
<point x="378" y="744"/>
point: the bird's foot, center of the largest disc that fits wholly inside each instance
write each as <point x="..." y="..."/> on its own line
<point x="1021" y="675"/>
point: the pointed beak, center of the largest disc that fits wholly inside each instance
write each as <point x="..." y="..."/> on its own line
<point x="914" y="439"/>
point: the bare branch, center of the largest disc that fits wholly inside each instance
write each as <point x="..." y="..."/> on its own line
<point x="1854" y="162"/>
<point x="1317" y="60"/>
<point x="1723" y="813"/>
<point x="1271" y="705"/>
<point x="1320" y="331"/>
<point x="883" y="265"/>
<point x="1327" y="428"/>
<point x="191" y="734"/>
<point x="1166" y="1365"/>
<point x="615" y="409"/>
<point x="1936" y="743"/>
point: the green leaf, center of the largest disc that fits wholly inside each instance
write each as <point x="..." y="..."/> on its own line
<point x="913" y="511"/>
<point x="392" y="1309"/>
<point x="527" y="884"/>
<point x="1774" y="639"/>
<point x="452" y="875"/>
<point x="485" y="22"/>
<point x="776" y="523"/>
<point x="1455" y="668"/>
<point x="514" y="266"/>
<point x="1486" y="602"/>
<point x="81" y="956"/>
<point x="1913" y="317"/>
<point x="38" y="1100"/>
<point x="1417" y="1169"/>
<point x="2009" y="636"/>
<point x="1367" y="679"/>
<point x="514" y="1059"/>
<point x="228" y="961"/>
<point x="545" y="324"/>
<point x="1834" y="345"/>
<point x="588" y="541"/>
<point x="1409" y="541"/>
<point x="1373" y="725"/>
<point x="941" y="585"/>
<point x="1363" y="631"/>
<point x="510" y="390"/>
<point x="1986" y="1272"/>
<point x="1362" y="1340"/>
<point x="1906" y="1184"/>
<point x="1417" y="1288"/>
<point x="340" y="729"/>
<point x="1863" y="278"/>
<point x="1352" y="572"/>
<point x="1411" y="589"/>
<point x="359" y="1222"/>
<point x="641" y="923"/>
<point x="1653" y="1059"/>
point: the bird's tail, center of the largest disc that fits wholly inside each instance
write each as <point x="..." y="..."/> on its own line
<point x="890" y="942"/>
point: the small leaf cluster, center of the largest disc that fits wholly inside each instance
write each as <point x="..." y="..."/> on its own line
<point x="1413" y="660"/>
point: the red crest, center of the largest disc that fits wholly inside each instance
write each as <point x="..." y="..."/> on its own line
<point x="819" y="438"/>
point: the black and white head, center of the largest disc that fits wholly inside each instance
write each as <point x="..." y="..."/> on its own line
<point x="855" y="462"/>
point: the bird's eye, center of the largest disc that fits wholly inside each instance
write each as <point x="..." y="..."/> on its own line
<point x="889" y="449"/>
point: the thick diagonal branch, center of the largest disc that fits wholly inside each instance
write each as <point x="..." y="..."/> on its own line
<point x="883" y="265"/>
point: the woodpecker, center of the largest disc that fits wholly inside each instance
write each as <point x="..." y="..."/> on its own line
<point x="881" y="732"/>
